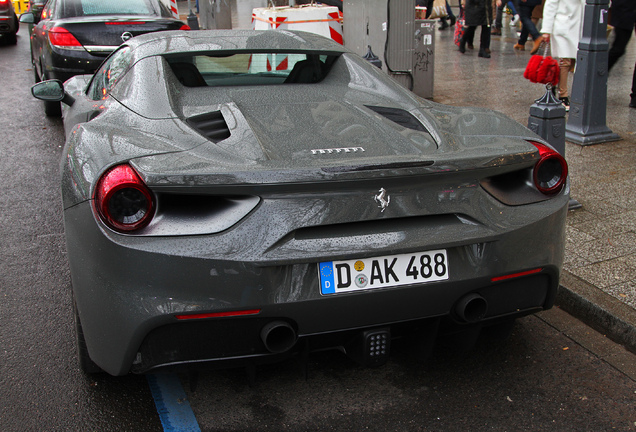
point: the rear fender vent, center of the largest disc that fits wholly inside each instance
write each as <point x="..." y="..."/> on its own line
<point x="210" y="125"/>
<point x="399" y="116"/>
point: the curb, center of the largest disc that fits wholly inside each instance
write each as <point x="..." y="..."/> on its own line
<point x="598" y="309"/>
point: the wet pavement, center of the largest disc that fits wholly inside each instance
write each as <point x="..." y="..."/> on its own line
<point x="599" y="273"/>
<point x="599" y="277"/>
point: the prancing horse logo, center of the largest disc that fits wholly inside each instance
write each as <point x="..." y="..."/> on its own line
<point x="383" y="199"/>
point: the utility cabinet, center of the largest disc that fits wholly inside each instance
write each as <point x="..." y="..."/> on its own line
<point x="403" y="44"/>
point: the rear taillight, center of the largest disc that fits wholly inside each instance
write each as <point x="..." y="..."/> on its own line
<point x="62" y="38"/>
<point x="123" y="201"/>
<point x="551" y="171"/>
<point x="185" y="27"/>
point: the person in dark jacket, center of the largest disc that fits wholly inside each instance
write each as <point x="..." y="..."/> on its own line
<point x="623" y="19"/>
<point x="477" y="13"/>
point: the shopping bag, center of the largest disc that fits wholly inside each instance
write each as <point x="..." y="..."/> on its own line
<point x="439" y="10"/>
<point x="459" y="27"/>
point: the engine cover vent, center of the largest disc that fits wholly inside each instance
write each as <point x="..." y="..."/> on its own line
<point x="399" y="116"/>
<point x="210" y="125"/>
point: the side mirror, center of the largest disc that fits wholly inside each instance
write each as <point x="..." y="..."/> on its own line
<point x="51" y="91"/>
<point x="28" y="18"/>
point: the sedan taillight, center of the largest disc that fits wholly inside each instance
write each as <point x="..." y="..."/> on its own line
<point x="122" y="199"/>
<point x="62" y="38"/>
<point x="551" y="171"/>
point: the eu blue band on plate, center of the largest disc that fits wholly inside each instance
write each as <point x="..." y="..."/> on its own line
<point x="327" y="285"/>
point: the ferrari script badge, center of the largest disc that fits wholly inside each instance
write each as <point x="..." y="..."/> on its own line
<point x="383" y="199"/>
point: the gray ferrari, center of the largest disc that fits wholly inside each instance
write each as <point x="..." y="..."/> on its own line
<point x="238" y="197"/>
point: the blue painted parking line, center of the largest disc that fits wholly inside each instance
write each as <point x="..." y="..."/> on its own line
<point x="172" y="404"/>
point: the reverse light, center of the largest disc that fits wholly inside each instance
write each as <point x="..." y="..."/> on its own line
<point x="62" y="38"/>
<point x="122" y="199"/>
<point x="551" y="171"/>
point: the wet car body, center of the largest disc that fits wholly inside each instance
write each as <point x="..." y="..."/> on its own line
<point x="333" y="209"/>
<point x="73" y="37"/>
<point x="9" y="24"/>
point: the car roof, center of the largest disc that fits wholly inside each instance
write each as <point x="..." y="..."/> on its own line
<point x="182" y="41"/>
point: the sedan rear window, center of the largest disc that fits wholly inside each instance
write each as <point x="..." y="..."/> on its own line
<point x="250" y="69"/>
<point x="74" y="8"/>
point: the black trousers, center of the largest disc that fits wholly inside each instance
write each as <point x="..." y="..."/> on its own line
<point x="618" y="47"/>
<point x="469" y="35"/>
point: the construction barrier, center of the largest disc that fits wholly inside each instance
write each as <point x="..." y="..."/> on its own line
<point x="20" y="6"/>
<point x="323" y="20"/>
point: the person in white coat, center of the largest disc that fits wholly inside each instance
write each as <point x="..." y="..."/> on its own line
<point x="561" y="27"/>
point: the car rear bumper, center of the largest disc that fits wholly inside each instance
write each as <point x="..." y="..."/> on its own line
<point x="130" y="296"/>
<point x="65" y="64"/>
<point x="8" y="24"/>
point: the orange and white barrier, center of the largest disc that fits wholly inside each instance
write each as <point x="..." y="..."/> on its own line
<point x="323" y="20"/>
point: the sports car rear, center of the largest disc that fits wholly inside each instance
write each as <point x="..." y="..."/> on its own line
<point x="252" y="202"/>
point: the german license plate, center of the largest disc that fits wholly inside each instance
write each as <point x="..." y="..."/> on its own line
<point x="382" y="272"/>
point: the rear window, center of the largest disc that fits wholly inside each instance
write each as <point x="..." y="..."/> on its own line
<point x="74" y="8"/>
<point x="250" y="69"/>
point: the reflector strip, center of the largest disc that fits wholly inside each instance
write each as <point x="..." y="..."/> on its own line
<point x="516" y="275"/>
<point x="219" y="314"/>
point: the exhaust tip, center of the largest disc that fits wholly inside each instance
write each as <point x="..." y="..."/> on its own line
<point x="471" y="308"/>
<point x="278" y="336"/>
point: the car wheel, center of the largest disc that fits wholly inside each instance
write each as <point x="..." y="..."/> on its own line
<point x="11" y="38"/>
<point x="87" y="365"/>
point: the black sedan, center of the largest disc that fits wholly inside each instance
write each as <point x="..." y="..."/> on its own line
<point x="9" y="24"/>
<point x="73" y="37"/>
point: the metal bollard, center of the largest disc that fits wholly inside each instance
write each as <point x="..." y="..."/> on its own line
<point x="588" y="110"/>
<point x="547" y="119"/>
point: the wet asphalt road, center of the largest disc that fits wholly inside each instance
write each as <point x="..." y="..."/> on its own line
<point x="540" y="379"/>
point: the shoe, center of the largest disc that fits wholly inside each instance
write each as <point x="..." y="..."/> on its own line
<point x="462" y="46"/>
<point x="537" y="45"/>
<point x="632" y="104"/>
<point x="470" y="46"/>
<point x="566" y="103"/>
<point x="444" y="25"/>
<point x="496" y="31"/>
<point x="519" y="47"/>
<point x="485" y="53"/>
<point x="514" y="21"/>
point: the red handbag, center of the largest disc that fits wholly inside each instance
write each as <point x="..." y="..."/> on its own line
<point x="542" y="69"/>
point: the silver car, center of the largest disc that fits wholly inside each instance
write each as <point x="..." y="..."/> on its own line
<point x="237" y="197"/>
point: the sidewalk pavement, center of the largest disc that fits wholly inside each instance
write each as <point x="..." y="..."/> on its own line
<point x="598" y="283"/>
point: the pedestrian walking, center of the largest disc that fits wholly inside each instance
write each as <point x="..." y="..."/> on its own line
<point x="477" y="13"/>
<point x="561" y="28"/>
<point x="623" y="19"/>
<point x="498" y="24"/>
<point x="528" y="27"/>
